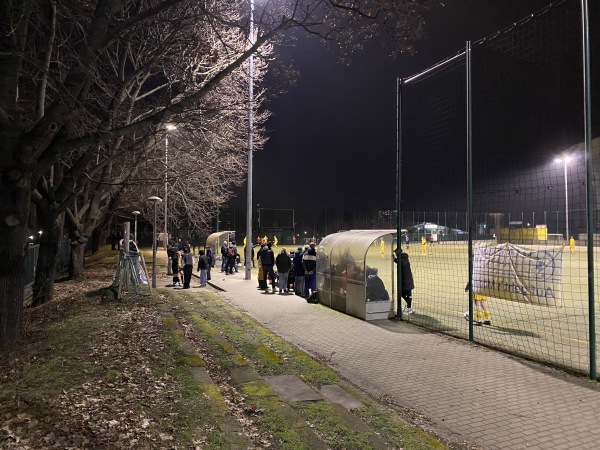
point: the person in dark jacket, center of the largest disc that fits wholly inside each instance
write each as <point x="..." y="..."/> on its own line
<point x="298" y="272"/>
<point x="268" y="261"/>
<point x="175" y="268"/>
<point x="210" y="258"/>
<point x="202" y="267"/>
<point x="309" y="262"/>
<point x="375" y="288"/>
<point x="231" y="259"/>
<point x="284" y="264"/>
<point x="407" y="279"/>
<point x="187" y="261"/>
<point x="224" y="251"/>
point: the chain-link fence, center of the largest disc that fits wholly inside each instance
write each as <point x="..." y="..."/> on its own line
<point x="501" y="135"/>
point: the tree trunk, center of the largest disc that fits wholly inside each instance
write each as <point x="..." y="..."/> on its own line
<point x="43" y="287"/>
<point x="76" y="264"/>
<point x="12" y="270"/>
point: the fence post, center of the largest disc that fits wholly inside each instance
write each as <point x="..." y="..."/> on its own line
<point x="587" y="116"/>
<point x="469" y="186"/>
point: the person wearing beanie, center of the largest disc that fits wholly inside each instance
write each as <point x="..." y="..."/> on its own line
<point x="298" y="272"/>
<point x="309" y="263"/>
<point x="268" y="261"/>
<point x="408" y="283"/>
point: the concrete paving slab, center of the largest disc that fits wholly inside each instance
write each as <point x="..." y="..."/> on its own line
<point x="201" y="375"/>
<point x="291" y="389"/>
<point x="244" y="374"/>
<point x="336" y="394"/>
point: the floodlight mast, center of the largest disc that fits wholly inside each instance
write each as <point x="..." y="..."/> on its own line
<point x="248" y="246"/>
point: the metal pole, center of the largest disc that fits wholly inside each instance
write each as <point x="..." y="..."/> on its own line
<point x="248" y="256"/>
<point x="470" y="186"/>
<point x="136" y="214"/>
<point x="399" y="84"/>
<point x="566" y="202"/>
<point x="587" y="115"/>
<point x="166" y="209"/>
<point x="154" y="200"/>
<point x="154" y="249"/>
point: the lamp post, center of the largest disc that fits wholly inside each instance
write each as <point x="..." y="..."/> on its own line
<point x="169" y="127"/>
<point x="155" y="200"/>
<point x="565" y="159"/>
<point x="251" y="41"/>
<point x="136" y="214"/>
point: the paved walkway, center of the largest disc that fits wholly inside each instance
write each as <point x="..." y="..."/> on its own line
<point x="464" y="392"/>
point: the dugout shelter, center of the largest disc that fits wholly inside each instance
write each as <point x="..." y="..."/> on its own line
<point x="344" y="262"/>
<point x="215" y="241"/>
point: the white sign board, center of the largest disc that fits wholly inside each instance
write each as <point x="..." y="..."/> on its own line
<point x="519" y="274"/>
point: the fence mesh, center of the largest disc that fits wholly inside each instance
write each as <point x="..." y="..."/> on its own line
<point x="530" y="280"/>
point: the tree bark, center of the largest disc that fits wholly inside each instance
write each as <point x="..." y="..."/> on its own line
<point x="12" y="266"/>
<point x="43" y="287"/>
<point x="76" y="263"/>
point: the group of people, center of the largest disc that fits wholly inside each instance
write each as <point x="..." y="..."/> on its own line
<point x="183" y="261"/>
<point x="230" y="258"/>
<point x="302" y="264"/>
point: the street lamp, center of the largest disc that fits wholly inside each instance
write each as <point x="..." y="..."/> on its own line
<point x="154" y="199"/>
<point x="251" y="41"/>
<point x="169" y="127"/>
<point x="136" y="214"/>
<point x="565" y="159"/>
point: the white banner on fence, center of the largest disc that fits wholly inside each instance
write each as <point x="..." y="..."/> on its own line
<point x="519" y="274"/>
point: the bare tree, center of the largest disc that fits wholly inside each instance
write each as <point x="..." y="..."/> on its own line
<point x="70" y="124"/>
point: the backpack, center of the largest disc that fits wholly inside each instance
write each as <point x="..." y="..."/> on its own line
<point x="231" y="251"/>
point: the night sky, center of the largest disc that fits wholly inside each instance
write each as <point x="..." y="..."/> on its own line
<point x="332" y="138"/>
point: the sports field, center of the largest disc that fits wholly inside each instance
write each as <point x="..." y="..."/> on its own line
<point x="557" y="335"/>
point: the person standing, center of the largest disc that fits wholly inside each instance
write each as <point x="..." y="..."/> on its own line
<point x="261" y="274"/>
<point x="224" y="251"/>
<point x="408" y="283"/>
<point x="572" y="244"/>
<point x="210" y="258"/>
<point x="174" y="255"/>
<point x="298" y="272"/>
<point x="202" y="267"/>
<point x="230" y="258"/>
<point x="283" y="264"/>
<point x="188" y="266"/>
<point x="268" y="261"/>
<point x="236" y="258"/>
<point x="482" y="310"/>
<point x="309" y="262"/>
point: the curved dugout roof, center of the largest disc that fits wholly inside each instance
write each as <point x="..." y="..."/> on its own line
<point x="215" y="240"/>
